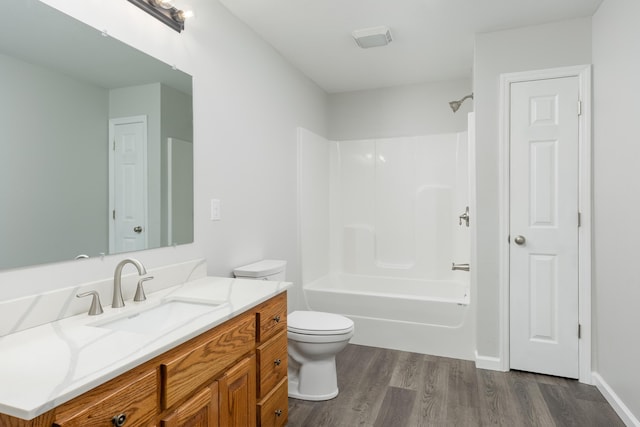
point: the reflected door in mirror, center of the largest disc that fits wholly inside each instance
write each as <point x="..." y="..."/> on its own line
<point x="128" y="184"/>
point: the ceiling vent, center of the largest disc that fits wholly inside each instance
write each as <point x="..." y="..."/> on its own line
<point x="372" y="37"/>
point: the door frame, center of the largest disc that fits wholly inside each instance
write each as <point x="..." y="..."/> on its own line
<point x="112" y="124"/>
<point x="583" y="73"/>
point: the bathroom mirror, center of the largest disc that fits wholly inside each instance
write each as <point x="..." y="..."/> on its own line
<point x="96" y="146"/>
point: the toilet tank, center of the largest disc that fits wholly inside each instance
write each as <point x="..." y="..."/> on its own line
<point x="267" y="269"/>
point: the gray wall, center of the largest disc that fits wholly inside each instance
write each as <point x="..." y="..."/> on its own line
<point x="531" y="48"/>
<point x="421" y="109"/>
<point x="617" y="197"/>
<point x="54" y="156"/>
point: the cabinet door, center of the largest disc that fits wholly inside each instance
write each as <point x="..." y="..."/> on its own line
<point x="199" y="411"/>
<point x="193" y="365"/>
<point x="238" y="395"/>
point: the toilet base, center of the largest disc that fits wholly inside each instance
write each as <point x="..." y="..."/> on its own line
<point x="294" y="393"/>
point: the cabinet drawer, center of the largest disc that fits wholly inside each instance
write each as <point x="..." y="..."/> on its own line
<point x="199" y="362"/>
<point x="272" y="317"/>
<point x="136" y="400"/>
<point x="272" y="363"/>
<point x="274" y="409"/>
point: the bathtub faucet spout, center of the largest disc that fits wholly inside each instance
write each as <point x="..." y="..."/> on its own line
<point x="462" y="267"/>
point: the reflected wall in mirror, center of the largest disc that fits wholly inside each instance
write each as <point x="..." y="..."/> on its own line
<point x="64" y="190"/>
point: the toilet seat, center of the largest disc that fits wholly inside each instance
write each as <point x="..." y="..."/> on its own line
<point x="318" y="323"/>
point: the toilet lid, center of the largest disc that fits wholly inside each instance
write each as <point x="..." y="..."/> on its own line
<point x="318" y="323"/>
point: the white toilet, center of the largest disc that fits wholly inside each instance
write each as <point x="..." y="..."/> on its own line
<point x="314" y="339"/>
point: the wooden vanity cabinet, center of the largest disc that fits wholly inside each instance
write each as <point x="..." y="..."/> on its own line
<point x="238" y="395"/>
<point x="273" y="409"/>
<point x="272" y="361"/>
<point x="231" y="375"/>
<point x="202" y="410"/>
<point x="132" y="398"/>
<point x="188" y="367"/>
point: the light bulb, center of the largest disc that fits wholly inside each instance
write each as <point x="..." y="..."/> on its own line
<point x="181" y="15"/>
<point x="164" y="4"/>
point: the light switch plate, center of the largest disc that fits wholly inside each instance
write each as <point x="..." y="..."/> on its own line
<point x="215" y="210"/>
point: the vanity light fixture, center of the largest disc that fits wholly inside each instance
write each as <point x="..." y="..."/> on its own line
<point x="165" y="11"/>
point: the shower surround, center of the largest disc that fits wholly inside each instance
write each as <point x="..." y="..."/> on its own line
<point x="379" y="229"/>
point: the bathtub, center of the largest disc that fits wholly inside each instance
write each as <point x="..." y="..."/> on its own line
<point x="429" y="317"/>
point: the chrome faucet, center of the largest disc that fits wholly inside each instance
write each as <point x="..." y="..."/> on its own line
<point x="118" y="301"/>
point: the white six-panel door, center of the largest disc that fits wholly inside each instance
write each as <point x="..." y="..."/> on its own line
<point x="128" y="184"/>
<point x="543" y="252"/>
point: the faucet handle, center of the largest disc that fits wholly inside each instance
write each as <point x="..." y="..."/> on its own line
<point x="96" y="307"/>
<point x="140" y="296"/>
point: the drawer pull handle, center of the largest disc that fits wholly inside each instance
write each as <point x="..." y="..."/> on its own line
<point x="277" y="362"/>
<point x="276" y="319"/>
<point x="119" y="420"/>
<point x="278" y="412"/>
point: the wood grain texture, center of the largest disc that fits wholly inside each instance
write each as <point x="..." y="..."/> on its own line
<point x="529" y="401"/>
<point x="497" y="400"/>
<point x="44" y="420"/>
<point x="432" y="394"/>
<point x="238" y="395"/>
<point x="272" y="363"/>
<point x="380" y="387"/>
<point x="396" y="406"/>
<point x="137" y="400"/>
<point x="271" y="317"/>
<point x="273" y="410"/>
<point x="199" y="411"/>
<point x="197" y="364"/>
<point x="406" y="373"/>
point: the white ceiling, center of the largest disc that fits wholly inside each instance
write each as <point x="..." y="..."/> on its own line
<point x="432" y="39"/>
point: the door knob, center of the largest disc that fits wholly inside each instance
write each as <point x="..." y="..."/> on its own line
<point x="519" y="240"/>
<point x="138" y="229"/>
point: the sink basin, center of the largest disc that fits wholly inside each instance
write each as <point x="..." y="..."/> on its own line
<point x="169" y="315"/>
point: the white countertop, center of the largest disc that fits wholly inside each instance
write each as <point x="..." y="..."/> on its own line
<point x="45" y="366"/>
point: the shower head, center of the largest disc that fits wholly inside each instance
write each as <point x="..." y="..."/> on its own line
<point x="455" y="105"/>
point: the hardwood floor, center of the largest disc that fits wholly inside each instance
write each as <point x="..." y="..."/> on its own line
<point x="389" y="388"/>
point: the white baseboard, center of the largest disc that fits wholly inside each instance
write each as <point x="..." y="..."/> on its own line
<point x="616" y="403"/>
<point x="488" y="362"/>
